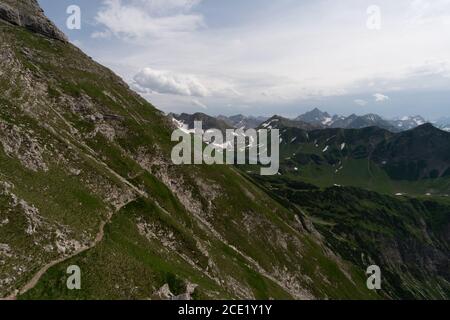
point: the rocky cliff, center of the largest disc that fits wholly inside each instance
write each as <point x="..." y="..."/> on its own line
<point x="28" y="14"/>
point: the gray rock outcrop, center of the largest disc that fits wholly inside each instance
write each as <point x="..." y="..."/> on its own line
<point x="28" y="14"/>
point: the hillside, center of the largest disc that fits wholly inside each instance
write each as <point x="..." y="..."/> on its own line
<point x="86" y="179"/>
<point x="208" y="122"/>
<point x="414" y="162"/>
<point x="408" y="238"/>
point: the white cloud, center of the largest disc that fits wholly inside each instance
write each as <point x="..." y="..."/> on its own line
<point x="430" y="11"/>
<point x="379" y="97"/>
<point x="360" y="102"/>
<point x="150" y="80"/>
<point x="101" y="34"/>
<point x="258" y="59"/>
<point x="168" y="6"/>
<point x="432" y="67"/>
<point x="200" y="104"/>
<point x="150" y="18"/>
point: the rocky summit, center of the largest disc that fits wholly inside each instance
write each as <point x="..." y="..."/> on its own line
<point x="28" y="14"/>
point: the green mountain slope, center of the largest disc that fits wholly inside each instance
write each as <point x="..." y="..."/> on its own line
<point x="86" y="179"/>
<point x="407" y="238"/>
<point x="414" y="162"/>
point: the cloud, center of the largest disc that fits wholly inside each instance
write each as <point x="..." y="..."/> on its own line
<point x="101" y="34"/>
<point x="168" y="6"/>
<point x="360" y="102"/>
<point x="431" y="67"/>
<point x="379" y="97"/>
<point x="200" y="104"/>
<point x="245" y="55"/>
<point x="149" y="80"/>
<point x="429" y="11"/>
<point x="150" y="18"/>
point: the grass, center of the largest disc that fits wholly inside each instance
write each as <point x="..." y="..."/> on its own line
<point x="232" y="211"/>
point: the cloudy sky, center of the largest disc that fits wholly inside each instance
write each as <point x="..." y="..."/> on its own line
<point x="263" y="57"/>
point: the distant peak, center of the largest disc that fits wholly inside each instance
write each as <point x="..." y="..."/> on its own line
<point x="277" y="117"/>
<point x="427" y="127"/>
<point x="316" y="111"/>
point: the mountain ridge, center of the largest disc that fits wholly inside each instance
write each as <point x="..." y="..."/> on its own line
<point x="79" y="149"/>
<point x="315" y="119"/>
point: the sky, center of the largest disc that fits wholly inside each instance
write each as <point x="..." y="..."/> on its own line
<point x="265" y="57"/>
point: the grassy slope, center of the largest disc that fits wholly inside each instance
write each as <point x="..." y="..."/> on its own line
<point x="54" y="79"/>
<point x="406" y="237"/>
<point x="352" y="165"/>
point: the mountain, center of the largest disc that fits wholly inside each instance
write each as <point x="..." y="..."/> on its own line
<point x="316" y="117"/>
<point x="420" y="153"/>
<point x="241" y="121"/>
<point x="370" y="120"/>
<point x="278" y="122"/>
<point x="342" y="121"/>
<point x="208" y="122"/>
<point x="28" y="14"/>
<point x="408" y="122"/>
<point x="86" y="179"/>
<point x="414" y="162"/>
<point x="407" y="238"/>
<point x="443" y="123"/>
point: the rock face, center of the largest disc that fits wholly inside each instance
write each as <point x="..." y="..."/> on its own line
<point x="28" y="14"/>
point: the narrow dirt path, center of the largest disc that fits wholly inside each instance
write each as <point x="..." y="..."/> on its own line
<point x="98" y="238"/>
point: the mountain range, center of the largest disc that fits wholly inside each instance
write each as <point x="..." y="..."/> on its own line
<point x="316" y="119"/>
<point x="357" y="122"/>
<point x="421" y="153"/>
<point x="241" y="121"/>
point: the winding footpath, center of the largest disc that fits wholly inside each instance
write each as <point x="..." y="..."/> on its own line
<point x="34" y="281"/>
